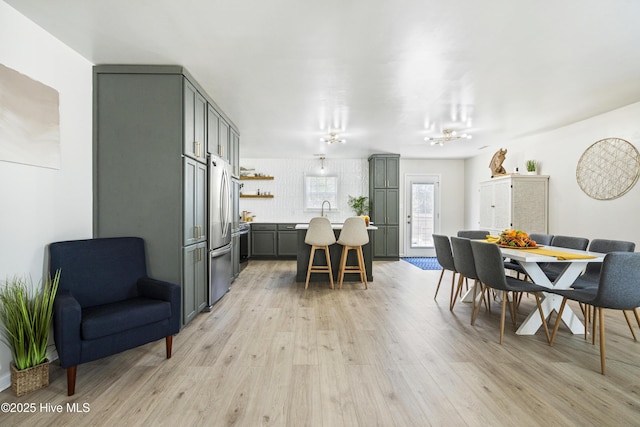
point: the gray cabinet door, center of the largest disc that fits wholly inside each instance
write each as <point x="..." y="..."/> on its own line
<point x="392" y="166"/>
<point x="235" y="153"/>
<point x="213" y="130"/>
<point x="195" y="123"/>
<point x="263" y="243"/>
<point x="194" y="281"/>
<point x="392" y="203"/>
<point x="287" y="243"/>
<point x="195" y="198"/>
<point x="223" y="140"/>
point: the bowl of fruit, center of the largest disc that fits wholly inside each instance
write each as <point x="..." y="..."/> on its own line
<point x="515" y="239"/>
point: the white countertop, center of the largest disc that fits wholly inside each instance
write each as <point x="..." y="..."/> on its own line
<point x="334" y="225"/>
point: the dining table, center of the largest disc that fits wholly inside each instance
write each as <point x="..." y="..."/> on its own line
<point x="574" y="261"/>
<point x="531" y="259"/>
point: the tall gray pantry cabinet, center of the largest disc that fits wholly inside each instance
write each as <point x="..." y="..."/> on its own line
<point x="384" y="199"/>
<point x="151" y="139"/>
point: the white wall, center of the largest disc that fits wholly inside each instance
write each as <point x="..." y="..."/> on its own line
<point x="287" y="187"/>
<point x="571" y="212"/>
<point x="42" y="205"/>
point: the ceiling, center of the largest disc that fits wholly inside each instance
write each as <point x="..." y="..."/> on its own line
<point x="385" y="73"/>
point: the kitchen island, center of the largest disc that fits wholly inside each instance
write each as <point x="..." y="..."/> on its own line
<point x="335" y="251"/>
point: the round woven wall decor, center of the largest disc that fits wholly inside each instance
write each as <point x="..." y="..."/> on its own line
<point x="608" y="168"/>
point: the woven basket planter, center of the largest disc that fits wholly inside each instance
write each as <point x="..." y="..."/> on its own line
<point x="30" y="379"/>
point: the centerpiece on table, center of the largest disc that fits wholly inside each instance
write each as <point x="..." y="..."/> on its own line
<point x="515" y="239"/>
<point x="26" y="316"/>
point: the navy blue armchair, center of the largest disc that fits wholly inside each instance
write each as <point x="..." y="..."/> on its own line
<point x="106" y="304"/>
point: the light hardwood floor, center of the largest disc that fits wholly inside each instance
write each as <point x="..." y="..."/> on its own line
<point x="271" y="353"/>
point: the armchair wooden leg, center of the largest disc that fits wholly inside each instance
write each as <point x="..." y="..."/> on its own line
<point x="440" y="281"/>
<point x="71" y="380"/>
<point x="169" y="342"/>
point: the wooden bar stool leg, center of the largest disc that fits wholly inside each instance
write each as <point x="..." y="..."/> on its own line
<point x="363" y="271"/>
<point x="313" y="251"/>
<point x="326" y="251"/>
<point x="343" y="263"/>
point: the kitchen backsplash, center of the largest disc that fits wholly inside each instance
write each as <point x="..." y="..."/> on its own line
<point x="287" y="187"/>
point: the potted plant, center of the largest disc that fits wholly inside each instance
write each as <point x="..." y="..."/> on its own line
<point x="531" y="167"/>
<point x="360" y="206"/>
<point x="26" y="316"/>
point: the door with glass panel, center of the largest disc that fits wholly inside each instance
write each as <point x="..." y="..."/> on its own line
<point x="422" y="214"/>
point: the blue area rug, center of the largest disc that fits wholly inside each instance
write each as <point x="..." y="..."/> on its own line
<point x="430" y="263"/>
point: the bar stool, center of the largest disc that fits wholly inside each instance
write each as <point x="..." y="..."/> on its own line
<point x="319" y="236"/>
<point x="352" y="237"/>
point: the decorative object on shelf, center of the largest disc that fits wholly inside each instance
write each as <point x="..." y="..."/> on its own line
<point x="332" y="138"/>
<point x="448" y="135"/>
<point x="608" y="169"/>
<point x="359" y="205"/>
<point x="531" y="167"/>
<point x="257" y="177"/>
<point x="26" y="317"/>
<point x="496" y="163"/>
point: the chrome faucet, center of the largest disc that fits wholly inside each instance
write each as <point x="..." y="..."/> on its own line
<point x="323" y="202"/>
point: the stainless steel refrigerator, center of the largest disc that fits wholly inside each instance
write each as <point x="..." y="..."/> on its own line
<point x="220" y="226"/>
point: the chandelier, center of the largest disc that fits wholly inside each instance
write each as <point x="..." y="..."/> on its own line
<point x="332" y="138"/>
<point x="448" y="135"/>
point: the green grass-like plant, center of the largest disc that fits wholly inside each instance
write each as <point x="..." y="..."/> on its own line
<point x="359" y="205"/>
<point x="26" y="316"/>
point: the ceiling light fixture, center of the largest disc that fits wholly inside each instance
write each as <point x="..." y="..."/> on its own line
<point x="448" y="135"/>
<point x="332" y="138"/>
<point x="322" y="164"/>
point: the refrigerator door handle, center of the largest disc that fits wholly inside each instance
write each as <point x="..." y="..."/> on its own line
<point x="220" y="251"/>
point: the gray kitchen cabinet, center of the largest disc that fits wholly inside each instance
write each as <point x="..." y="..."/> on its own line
<point x="223" y="140"/>
<point x="195" y="201"/>
<point x="235" y="153"/>
<point x="213" y="130"/>
<point x="150" y="170"/>
<point x="287" y="240"/>
<point x="194" y="295"/>
<point x="195" y="123"/>
<point x="264" y="243"/>
<point x="384" y="200"/>
<point x="235" y="256"/>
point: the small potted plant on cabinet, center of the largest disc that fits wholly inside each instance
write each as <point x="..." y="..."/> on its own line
<point x="26" y="317"/>
<point x="360" y="206"/>
<point x="531" y="167"/>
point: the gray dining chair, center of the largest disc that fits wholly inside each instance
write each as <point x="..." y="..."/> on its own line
<point x="540" y="239"/>
<point x="618" y="289"/>
<point x="465" y="265"/>
<point x="473" y="234"/>
<point x="490" y="269"/>
<point x="591" y="277"/>
<point x="554" y="269"/>
<point x="444" y="256"/>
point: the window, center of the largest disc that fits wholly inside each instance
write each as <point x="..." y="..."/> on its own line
<point x="317" y="189"/>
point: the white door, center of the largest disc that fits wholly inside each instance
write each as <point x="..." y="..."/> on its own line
<point x="423" y="214"/>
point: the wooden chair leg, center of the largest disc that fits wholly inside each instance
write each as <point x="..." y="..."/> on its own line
<point x="544" y="321"/>
<point x="453" y="285"/>
<point x="502" y="315"/>
<point x="168" y="344"/>
<point x="637" y="314"/>
<point x="587" y="313"/>
<point x="602" y="343"/>
<point x="558" y="320"/>
<point x="626" y="317"/>
<point x="71" y="380"/>
<point x="440" y="281"/>
<point x="454" y="296"/>
<point x="593" y="325"/>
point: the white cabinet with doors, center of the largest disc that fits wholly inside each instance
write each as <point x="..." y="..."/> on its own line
<point x="515" y="201"/>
